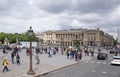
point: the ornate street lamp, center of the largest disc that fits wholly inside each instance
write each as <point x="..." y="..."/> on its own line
<point x="76" y="39"/>
<point x="30" y="33"/>
<point x="62" y="41"/>
<point x="94" y="44"/>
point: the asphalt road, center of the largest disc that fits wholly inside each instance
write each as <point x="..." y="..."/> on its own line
<point x="92" y="68"/>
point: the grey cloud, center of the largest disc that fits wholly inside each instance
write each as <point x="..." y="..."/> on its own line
<point x="83" y="6"/>
<point x="53" y="6"/>
<point x="5" y="5"/>
<point x="96" y="6"/>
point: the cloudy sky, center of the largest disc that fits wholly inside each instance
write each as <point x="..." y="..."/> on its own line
<point x="42" y="15"/>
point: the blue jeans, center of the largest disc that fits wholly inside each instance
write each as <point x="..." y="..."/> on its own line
<point x="49" y="55"/>
<point x="12" y="60"/>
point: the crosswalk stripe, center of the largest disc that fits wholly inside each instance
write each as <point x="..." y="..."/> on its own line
<point x="93" y="71"/>
<point x="104" y="62"/>
<point x="104" y="72"/>
<point x="91" y="62"/>
<point x="86" y="62"/>
<point x="97" y="62"/>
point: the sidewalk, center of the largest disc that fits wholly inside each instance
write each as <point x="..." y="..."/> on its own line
<point x="46" y="65"/>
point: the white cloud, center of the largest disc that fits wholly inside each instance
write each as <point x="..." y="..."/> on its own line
<point x="115" y="15"/>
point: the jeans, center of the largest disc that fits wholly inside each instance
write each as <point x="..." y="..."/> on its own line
<point x="12" y="60"/>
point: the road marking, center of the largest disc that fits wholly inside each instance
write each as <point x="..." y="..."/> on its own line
<point x="91" y="62"/>
<point x="104" y="72"/>
<point x="104" y="62"/>
<point x="93" y="71"/>
<point x="98" y="62"/>
<point x="86" y="62"/>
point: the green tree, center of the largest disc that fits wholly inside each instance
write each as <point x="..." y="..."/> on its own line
<point x="2" y="36"/>
<point x="13" y="37"/>
<point x="115" y="42"/>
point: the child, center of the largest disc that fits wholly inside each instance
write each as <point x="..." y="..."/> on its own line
<point x="18" y="59"/>
<point x="5" y="64"/>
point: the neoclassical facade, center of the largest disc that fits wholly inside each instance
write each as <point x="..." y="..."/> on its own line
<point x="77" y="37"/>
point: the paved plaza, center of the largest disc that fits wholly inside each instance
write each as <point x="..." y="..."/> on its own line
<point x="46" y="65"/>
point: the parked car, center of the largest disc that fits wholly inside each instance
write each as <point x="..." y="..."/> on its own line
<point x="102" y="56"/>
<point x="112" y="51"/>
<point x="115" y="60"/>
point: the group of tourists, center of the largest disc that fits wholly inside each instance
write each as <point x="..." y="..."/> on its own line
<point x="71" y="53"/>
<point x="14" y="54"/>
<point x="47" y="50"/>
<point x="74" y="53"/>
<point x="88" y="51"/>
<point x="77" y="53"/>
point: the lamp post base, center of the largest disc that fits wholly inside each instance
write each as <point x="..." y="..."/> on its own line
<point x="31" y="72"/>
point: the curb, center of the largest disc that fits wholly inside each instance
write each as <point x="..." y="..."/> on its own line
<point x="62" y="68"/>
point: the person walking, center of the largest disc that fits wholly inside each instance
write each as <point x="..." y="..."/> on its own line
<point x="12" y="56"/>
<point x="4" y="50"/>
<point x="85" y="51"/>
<point x="92" y="52"/>
<point x="5" y="64"/>
<point x="79" y="55"/>
<point x="49" y="52"/>
<point x="76" y="55"/>
<point x="88" y="51"/>
<point x="37" y="50"/>
<point x="27" y="52"/>
<point x="67" y="53"/>
<point x="71" y="53"/>
<point x="18" y="59"/>
<point x="37" y="59"/>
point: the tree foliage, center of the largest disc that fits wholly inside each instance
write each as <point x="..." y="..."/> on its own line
<point x="16" y="36"/>
<point x="115" y="42"/>
<point x="2" y="36"/>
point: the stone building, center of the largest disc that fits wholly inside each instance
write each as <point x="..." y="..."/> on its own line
<point x="77" y="37"/>
<point x="40" y="38"/>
